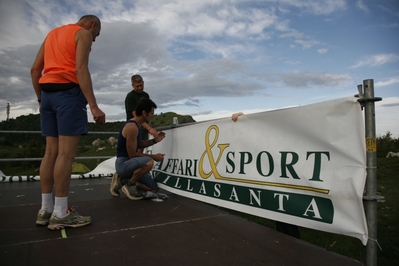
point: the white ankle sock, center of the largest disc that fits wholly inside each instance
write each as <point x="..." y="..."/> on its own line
<point x="61" y="206"/>
<point x="47" y="202"/>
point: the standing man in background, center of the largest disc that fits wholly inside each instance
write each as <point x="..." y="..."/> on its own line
<point x="131" y="100"/>
<point x="63" y="86"/>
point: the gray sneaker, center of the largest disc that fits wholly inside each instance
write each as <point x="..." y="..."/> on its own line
<point x="73" y="219"/>
<point x="162" y="196"/>
<point x="43" y="217"/>
<point x="116" y="185"/>
<point x="132" y="192"/>
<point x="149" y="195"/>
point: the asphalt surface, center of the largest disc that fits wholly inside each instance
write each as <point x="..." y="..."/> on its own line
<point x="178" y="231"/>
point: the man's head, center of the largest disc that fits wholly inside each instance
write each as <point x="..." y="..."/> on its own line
<point x="137" y="83"/>
<point x="91" y="23"/>
<point x="145" y="107"/>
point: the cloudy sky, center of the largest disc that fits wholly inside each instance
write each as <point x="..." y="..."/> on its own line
<point x="211" y="58"/>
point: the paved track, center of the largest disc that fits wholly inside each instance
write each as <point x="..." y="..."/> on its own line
<point x="178" y="231"/>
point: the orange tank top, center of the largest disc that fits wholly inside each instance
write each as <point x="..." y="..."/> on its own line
<point x="60" y="55"/>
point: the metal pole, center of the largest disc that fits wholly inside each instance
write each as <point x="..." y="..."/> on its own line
<point x="8" y="111"/>
<point x="371" y="181"/>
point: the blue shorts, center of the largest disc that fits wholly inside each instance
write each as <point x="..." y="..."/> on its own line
<point x="63" y="113"/>
<point x="125" y="168"/>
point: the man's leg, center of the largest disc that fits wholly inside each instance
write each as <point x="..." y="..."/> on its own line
<point x="56" y="169"/>
<point x="149" y="188"/>
<point x="62" y="216"/>
<point x="47" y="180"/>
<point x="67" y="149"/>
<point x="47" y="165"/>
<point x="130" y="189"/>
<point x="140" y="172"/>
<point x="144" y="187"/>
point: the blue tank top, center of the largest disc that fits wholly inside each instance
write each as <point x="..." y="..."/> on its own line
<point x="121" y="150"/>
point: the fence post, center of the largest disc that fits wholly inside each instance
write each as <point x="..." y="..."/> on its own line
<point x="371" y="197"/>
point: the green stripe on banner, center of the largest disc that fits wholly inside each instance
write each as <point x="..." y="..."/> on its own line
<point x="300" y="205"/>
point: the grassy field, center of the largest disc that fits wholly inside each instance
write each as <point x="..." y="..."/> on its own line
<point x="388" y="215"/>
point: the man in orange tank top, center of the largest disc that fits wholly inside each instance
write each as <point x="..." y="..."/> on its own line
<point x="63" y="86"/>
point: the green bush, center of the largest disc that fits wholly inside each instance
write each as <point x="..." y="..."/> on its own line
<point x="387" y="144"/>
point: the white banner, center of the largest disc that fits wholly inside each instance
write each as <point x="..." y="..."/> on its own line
<point x="304" y="165"/>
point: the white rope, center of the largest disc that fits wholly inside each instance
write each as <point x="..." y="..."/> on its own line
<point x="376" y="241"/>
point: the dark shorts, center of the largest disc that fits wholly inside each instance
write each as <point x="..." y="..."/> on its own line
<point x="63" y="113"/>
<point x="125" y="168"/>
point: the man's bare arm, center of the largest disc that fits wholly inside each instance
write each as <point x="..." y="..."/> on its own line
<point x="84" y="41"/>
<point x="36" y="71"/>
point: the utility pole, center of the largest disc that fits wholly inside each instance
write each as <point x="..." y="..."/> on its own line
<point x="8" y="111"/>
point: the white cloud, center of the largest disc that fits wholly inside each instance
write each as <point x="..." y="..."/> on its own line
<point x="303" y="79"/>
<point x="386" y="113"/>
<point x="306" y="44"/>
<point x="360" y="4"/>
<point x="391" y="81"/>
<point x="377" y="60"/>
<point x="203" y="56"/>
<point x="292" y="62"/>
<point x="294" y="34"/>
<point x="322" y="51"/>
<point x="325" y="7"/>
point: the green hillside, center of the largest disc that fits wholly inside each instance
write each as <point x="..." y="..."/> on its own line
<point x="32" y="122"/>
<point x="30" y="145"/>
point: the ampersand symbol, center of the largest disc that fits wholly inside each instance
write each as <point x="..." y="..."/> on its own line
<point x="208" y="151"/>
